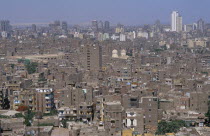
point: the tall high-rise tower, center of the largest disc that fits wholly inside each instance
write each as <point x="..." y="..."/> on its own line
<point x="176" y="22"/>
<point x="64" y="26"/>
<point x="33" y="27"/>
<point x="95" y="25"/>
<point x="106" y="25"/>
<point x="174" y="16"/>
<point x="200" y="25"/>
<point x="5" y="25"/>
<point x="100" y="25"/>
<point x="179" y="24"/>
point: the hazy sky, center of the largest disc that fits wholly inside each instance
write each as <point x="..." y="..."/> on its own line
<point x="129" y="12"/>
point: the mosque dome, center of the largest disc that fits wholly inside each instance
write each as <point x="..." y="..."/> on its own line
<point x="114" y="54"/>
<point x="123" y="53"/>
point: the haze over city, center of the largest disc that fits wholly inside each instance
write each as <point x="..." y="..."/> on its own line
<point x="128" y="12"/>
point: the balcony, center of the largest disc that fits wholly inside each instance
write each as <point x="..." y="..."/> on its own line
<point x="67" y="115"/>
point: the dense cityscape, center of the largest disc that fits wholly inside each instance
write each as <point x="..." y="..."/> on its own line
<point x="105" y="80"/>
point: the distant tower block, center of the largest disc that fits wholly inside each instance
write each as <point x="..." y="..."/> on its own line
<point x="114" y="54"/>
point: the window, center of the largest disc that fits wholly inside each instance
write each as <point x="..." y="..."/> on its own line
<point x="133" y="99"/>
<point x="155" y="99"/>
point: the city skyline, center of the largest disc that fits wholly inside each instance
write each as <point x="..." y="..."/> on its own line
<point x="82" y="12"/>
<point x="104" y="68"/>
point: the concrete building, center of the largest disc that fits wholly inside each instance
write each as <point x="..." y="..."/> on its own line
<point x="113" y="112"/>
<point x="179" y="24"/>
<point x="188" y="28"/>
<point x="91" y="55"/>
<point x="199" y="102"/>
<point x="85" y="112"/>
<point x="201" y="25"/>
<point x="135" y="120"/>
<point x="44" y="100"/>
<point x="69" y="113"/>
<point x="28" y="98"/>
<point x="150" y="107"/>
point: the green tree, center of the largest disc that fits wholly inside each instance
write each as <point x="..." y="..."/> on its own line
<point x="46" y="124"/>
<point x="31" y="67"/>
<point x="12" y="66"/>
<point x="64" y="123"/>
<point x="158" y="50"/>
<point x="19" y="115"/>
<point x="28" y="117"/>
<point x="4" y="117"/>
<point x="20" y="60"/>
<point x="169" y="127"/>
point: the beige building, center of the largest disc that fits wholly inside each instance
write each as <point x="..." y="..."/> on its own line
<point x="150" y="106"/>
<point x="199" y="102"/>
<point x="113" y="112"/>
<point x="197" y="43"/>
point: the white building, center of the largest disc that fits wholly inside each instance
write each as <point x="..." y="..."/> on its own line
<point x="131" y="35"/>
<point x="195" y="26"/>
<point x="106" y="36"/>
<point x="100" y="36"/>
<point x="176" y="22"/>
<point x="4" y="34"/>
<point x="115" y="37"/>
<point x="122" y="38"/>
<point x="143" y="35"/>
